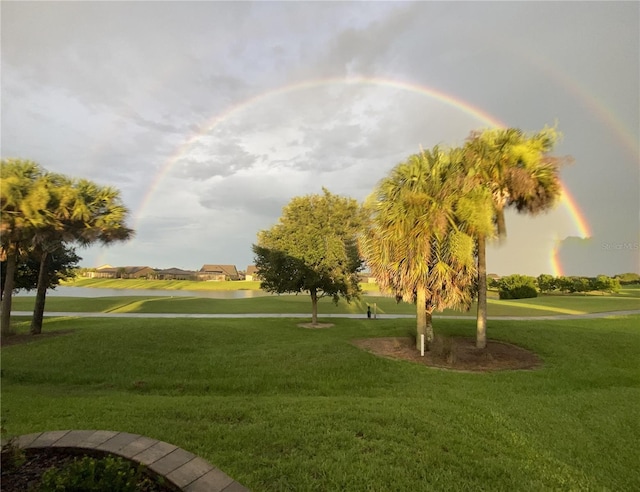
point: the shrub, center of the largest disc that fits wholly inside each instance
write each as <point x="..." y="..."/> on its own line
<point x="108" y="474"/>
<point x="628" y="278"/>
<point x="606" y="284"/>
<point x="546" y="282"/>
<point x="517" y="287"/>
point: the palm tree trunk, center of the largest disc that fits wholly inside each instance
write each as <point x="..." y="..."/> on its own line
<point x="7" y="294"/>
<point x="429" y="330"/>
<point x="41" y="295"/>
<point x="422" y="320"/>
<point x="501" y="224"/>
<point x="314" y="306"/>
<point x="481" y="322"/>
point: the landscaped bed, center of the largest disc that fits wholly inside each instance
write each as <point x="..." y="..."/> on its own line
<point x="43" y="469"/>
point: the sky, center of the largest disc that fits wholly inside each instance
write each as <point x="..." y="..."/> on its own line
<point x="209" y="117"/>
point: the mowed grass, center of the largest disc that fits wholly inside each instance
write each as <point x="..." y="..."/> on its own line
<point x="141" y="283"/>
<point x="545" y="305"/>
<point x="283" y="408"/>
<point x="118" y="283"/>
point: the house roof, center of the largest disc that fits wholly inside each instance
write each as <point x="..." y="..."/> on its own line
<point x="229" y="270"/>
<point x="175" y="271"/>
<point x="252" y="270"/>
<point x="136" y="269"/>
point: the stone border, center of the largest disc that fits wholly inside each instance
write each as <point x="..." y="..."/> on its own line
<point x="185" y="470"/>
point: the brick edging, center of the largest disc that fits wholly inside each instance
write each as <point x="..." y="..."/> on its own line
<point x="185" y="470"/>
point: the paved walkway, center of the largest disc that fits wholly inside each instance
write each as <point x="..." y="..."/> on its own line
<point x="307" y="315"/>
<point x="184" y="469"/>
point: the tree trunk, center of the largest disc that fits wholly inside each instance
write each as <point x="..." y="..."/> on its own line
<point x="41" y="295"/>
<point x="481" y="322"/>
<point x="7" y="294"/>
<point x="421" y="316"/>
<point x="429" y="329"/>
<point x="314" y="307"/>
<point x="501" y="224"/>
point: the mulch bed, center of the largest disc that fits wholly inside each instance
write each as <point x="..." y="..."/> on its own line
<point x="21" y="338"/>
<point x="454" y="353"/>
<point x="27" y="476"/>
<point x="315" y="326"/>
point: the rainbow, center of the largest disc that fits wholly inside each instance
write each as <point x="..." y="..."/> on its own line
<point x="578" y="217"/>
<point x="448" y="99"/>
<point x="578" y="90"/>
<point x="556" y="266"/>
<point x="580" y="223"/>
<point x="567" y="200"/>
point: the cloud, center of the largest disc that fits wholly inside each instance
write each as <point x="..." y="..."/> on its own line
<point x="606" y="255"/>
<point x="177" y="102"/>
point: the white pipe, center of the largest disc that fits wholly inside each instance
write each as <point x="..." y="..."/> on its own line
<point x="422" y="345"/>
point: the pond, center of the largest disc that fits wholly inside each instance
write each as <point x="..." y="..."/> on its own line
<point x="95" y="292"/>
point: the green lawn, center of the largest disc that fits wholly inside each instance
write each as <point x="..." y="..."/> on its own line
<point x="107" y="283"/>
<point x="119" y="283"/>
<point x="282" y="408"/>
<point x="540" y="306"/>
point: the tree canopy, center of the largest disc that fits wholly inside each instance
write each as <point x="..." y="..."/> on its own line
<point x="313" y="249"/>
<point x="518" y="171"/>
<point x="419" y="240"/>
<point x="42" y="211"/>
<point x="62" y="265"/>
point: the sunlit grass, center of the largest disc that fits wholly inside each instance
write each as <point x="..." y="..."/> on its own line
<point x="301" y="304"/>
<point x="283" y="408"/>
<point x="120" y="283"/>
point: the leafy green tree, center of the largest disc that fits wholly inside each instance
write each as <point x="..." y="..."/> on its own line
<point x="517" y="287"/>
<point x="628" y="278"/>
<point x="62" y="265"/>
<point x="605" y="283"/>
<point x="313" y="249"/>
<point x="564" y="284"/>
<point x="417" y="242"/>
<point x="580" y="284"/>
<point x="518" y="171"/>
<point x="546" y="282"/>
<point x="492" y="283"/>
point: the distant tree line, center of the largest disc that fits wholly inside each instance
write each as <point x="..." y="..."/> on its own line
<point x="523" y="286"/>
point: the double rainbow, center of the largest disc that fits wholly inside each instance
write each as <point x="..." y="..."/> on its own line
<point x="567" y="200"/>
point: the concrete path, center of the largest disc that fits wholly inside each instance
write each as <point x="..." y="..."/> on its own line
<point x="307" y="315"/>
<point x="182" y="468"/>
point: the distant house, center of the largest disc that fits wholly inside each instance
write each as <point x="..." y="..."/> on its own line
<point x="493" y="279"/>
<point x="136" y="272"/>
<point x="108" y="271"/>
<point x="218" y="272"/>
<point x="252" y="274"/>
<point x="103" y="271"/>
<point x="366" y="278"/>
<point x="175" y="274"/>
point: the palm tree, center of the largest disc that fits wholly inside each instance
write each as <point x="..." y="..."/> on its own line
<point x="23" y="199"/>
<point x="81" y="212"/>
<point x="45" y="210"/>
<point x="415" y="244"/>
<point x="517" y="171"/>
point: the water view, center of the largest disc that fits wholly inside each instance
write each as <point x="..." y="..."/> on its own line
<point x="97" y="292"/>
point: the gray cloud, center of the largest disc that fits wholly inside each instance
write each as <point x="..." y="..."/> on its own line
<point x="121" y="92"/>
